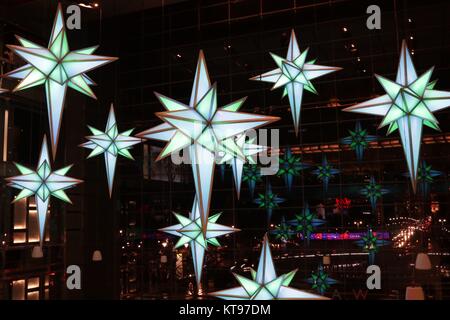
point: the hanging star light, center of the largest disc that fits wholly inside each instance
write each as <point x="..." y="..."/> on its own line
<point x="56" y="68"/>
<point x="371" y="244"/>
<point x="408" y="105"/>
<point x="283" y="231"/>
<point x="305" y="223"/>
<point x="373" y="192"/>
<point x="265" y="285"/>
<point x="249" y="150"/>
<point x="294" y="74"/>
<point x="325" y="172"/>
<point x="425" y="177"/>
<point x="290" y="166"/>
<point x="205" y="129"/>
<point x="252" y="174"/>
<point x="269" y="201"/>
<point x="358" y="140"/>
<point x="112" y="144"/>
<point x="3" y="90"/>
<point x="190" y="230"/>
<point x="320" y="280"/>
<point x="42" y="183"/>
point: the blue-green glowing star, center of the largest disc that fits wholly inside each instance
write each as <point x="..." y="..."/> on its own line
<point x="320" y="280"/>
<point x="408" y="105"/>
<point x="265" y="284"/>
<point x="252" y="174"/>
<point x="190" y="231"/>
<point x="425" y="177"/>
<point x="205" y="129"/>
<point x="56" y="68"/>
<point x="305" y="223"/>
<point x="294" y="74"/>
<point x="325" y="172"/>
<point x="290" y="166"/>
<point x="371" y="244"/>
<point x="112" y="144"/>
<point x="283" y="231"/>
<point x="373" y="191"/>
<point x="42" y="183"/>
<point x="268" y="200"/>
<point x="358" y="140"/>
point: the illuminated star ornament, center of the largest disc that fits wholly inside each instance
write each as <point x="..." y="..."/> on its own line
<point x="42" y="183"/>
<point x="425" y="177"/>
<point x="252" y="175"/>
<point x="325" y="172"/>
<point x="320" y="281"/>
<point x="290" y="166"/>
<point x="408" y="104"/>
<point x="305" y="223"/>
<point x="265" y="284"/>
<point x="373" y="192"/>
<point x="294" y="74"/>
<point x="112" y="144"/>
<point x="371" y="244"/>
<point x="268" y="200"/>
<point x="283" y="231"/>
<point x="358" y="140"/>
<point x="56" y="68"/>
<point x="3" y="90"/>
<point x="205" y="129"/>
<point x="249" y="150"/>
<point x="190" y="231"/>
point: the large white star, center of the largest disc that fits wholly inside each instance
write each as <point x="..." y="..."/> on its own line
<point x="294" y="74"/>
<point x="42" y="183"/>
<point x="56" y="68"/>
<point x="205" y="129"/>
<point x="112" y="144"/>
<point x="265" y="284"/>
<point x="190" y="231"/>
<point x="408" y="104"/>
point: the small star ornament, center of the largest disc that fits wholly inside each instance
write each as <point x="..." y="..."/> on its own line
<point x="294" y="73"/>
<point x="111" y="144"/>
<point x="358" y="140"/>
<point x="42" y="183"/>
<point x="190" y="231"/>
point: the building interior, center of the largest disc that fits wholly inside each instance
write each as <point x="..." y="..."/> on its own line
<point x="115" y="239"/>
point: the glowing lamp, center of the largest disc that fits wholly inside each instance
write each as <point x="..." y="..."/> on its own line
<point x="414" y="293"/>
<point x="97" y="256"/>
<point x="423" y="262"/>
